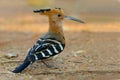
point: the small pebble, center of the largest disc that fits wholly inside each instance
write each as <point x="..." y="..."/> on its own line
<point x="10" y="55"/>
<point x="76" y="53"/>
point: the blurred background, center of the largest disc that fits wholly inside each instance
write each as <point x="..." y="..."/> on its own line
<point x="19" y="12"/>
<point x="92" y="49"/>
<point x="107" y="7"/>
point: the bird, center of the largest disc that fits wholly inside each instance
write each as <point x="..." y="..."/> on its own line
<point x="50" y="44"/>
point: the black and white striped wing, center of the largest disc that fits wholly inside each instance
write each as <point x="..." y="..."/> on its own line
<point x="45" y="48"/>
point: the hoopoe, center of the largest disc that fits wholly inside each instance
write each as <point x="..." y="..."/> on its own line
<point x="50" y="44"/>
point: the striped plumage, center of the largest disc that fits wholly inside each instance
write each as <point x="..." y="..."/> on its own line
<point x="43" y="48"/>
<point x="50" y="44"/>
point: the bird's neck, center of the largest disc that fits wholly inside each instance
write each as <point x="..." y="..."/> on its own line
<point x="56" y="26"/>
<point x="55" y="31"/>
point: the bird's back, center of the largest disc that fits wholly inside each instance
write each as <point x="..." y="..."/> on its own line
<point x="56" y="36"/>
<point x="46" y="47"/>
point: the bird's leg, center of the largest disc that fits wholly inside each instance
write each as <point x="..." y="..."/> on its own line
<point x="49" y="64"/>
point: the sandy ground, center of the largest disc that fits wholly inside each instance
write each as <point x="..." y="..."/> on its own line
<point x="90" y="54"/>
<point x="92" y="50"/>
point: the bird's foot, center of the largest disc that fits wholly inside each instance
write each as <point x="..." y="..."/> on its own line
<point x="50" y="65"/>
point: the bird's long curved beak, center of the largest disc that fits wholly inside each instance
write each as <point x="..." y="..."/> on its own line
<point x="74" y="19"/>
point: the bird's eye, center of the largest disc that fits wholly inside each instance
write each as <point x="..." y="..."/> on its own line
<point x="59" y="15"/>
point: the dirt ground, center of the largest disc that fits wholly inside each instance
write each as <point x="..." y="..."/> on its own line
<point x="92" y="52"/>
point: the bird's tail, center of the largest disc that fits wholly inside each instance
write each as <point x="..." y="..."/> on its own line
<point x="21" y="67"/>
<point x="30" y="59"/>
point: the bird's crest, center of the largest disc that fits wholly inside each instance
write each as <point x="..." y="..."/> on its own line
<point x="49" y="11"/>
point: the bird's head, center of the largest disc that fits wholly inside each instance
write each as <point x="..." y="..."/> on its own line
<point x="56" y="14"/>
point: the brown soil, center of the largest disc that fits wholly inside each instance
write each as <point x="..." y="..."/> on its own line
<point x="91" y="53"/>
